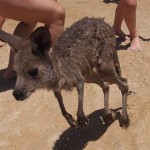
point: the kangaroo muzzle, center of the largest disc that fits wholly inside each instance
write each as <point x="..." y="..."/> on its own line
<point x="19" y="95"/>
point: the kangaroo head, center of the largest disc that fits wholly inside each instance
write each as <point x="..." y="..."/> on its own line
<point x="32" y="63"/>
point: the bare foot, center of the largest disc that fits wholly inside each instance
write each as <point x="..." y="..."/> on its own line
<point x="135" y="44"/>
<point x="121" y="34"/>
<point x="9" y="74"/>
<point x="2" y="43"/>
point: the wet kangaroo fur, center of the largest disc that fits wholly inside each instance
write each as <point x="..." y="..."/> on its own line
<point x="84" y="53"/>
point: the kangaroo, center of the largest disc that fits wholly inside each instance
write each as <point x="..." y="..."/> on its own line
<point x="85" y="52"/>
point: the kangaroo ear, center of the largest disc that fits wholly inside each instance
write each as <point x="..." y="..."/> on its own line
<point x="14" y="41"/>
<point x="40" y="41"/>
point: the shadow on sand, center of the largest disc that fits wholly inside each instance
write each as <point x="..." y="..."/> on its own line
<point x="111" y="1"/>
<point x="119" y="45"/>
<point x="77" y="139"/>
<point x="119" y="41"/>
<point x="144" y="39"/>
<point x="5" y="85"/>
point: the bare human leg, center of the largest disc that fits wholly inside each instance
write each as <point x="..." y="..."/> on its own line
<point x="130" y="19"/>
<point x="119" y="16"/>
<point x="126" y="10"/>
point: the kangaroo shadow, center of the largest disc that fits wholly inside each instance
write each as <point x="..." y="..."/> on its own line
<point x="78" y="138"/>
<point x="5" y="85"/>
<point x="111" y="1"/>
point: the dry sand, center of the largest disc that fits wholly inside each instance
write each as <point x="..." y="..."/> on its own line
<point x="37" y="123"/>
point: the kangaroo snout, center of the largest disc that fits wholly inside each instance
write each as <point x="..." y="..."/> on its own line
<point x="19" y="95"/>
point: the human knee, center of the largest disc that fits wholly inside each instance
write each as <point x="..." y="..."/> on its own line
<point x="131" y="4"/>
<point x="59" y="14"/>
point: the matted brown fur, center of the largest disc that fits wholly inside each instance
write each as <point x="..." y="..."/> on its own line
<point x="88" y="43"/>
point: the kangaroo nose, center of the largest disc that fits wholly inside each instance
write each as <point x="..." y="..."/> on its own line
<point x="18" y="94"/>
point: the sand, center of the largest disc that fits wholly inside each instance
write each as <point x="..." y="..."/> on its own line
<point x="37" y="123"/>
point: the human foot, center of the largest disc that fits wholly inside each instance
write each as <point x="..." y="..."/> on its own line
<point x="135" y="44"/>
<point x="9" y="74"/>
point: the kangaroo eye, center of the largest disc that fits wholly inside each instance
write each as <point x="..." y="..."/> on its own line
<point x="32" y="73"/>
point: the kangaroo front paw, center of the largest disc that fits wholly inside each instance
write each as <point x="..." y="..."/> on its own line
<point x="71" y="121"/>
<point x="124" y="121"/>
<point x="82" y="121"/>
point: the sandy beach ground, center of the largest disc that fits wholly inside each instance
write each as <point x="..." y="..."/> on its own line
<point x="37" y="123"/>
